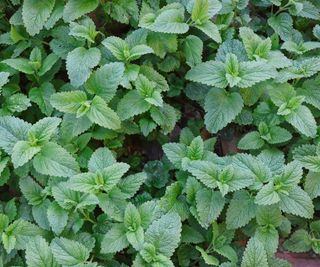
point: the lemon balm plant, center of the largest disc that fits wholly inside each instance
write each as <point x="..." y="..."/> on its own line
<point x="112" y="122"/>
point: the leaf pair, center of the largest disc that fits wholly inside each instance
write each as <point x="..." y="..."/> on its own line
<point x="231" y="72"/>
<point x="24" y="142"/>
<point x="96" y="110"/>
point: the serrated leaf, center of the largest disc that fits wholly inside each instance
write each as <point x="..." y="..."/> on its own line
<point x="100" y="159"/>
<point x="76" y="8"/>
<point x="210" y="29"/>
<point x="80" y="62"/>
<point x="193" y="47"/>
<point x="221" y="108"/>
<point x="251" y="140"/>
<point x="299" y="241"/>
<point x="164" y="234"/>
<point x="23" y="152"/>
<point x="282" y="25"/>
<point x="47" y="163"/>
<point x="57" y="217"/>
<point x="68" y="102"/>
<point x="169" y="20"/>
<point x="303" y="120"/>
<point x="12" y="130"/>
<point x="101" y="114"/>
<point x="69" y="252"/>
<point x="105" y="81"/>
<point x="38" y="253"/>
<point x="240" y="210"/>
<point x="297" y="202"/>
<point x="209" y="206"/>
<point x="35" y="14"/>
<point x="115" y="239"/>
<point x="254" y="254"/>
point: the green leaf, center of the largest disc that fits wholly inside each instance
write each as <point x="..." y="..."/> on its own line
<point x="255" y="46"/>
<point x="210" y="29"/>
<point x="282" y="25"/>
<point x="209" y="206"/>
<point x="101" y="114"/>
<point x="169" y="45"/>
<point x="4" y="78"/>
<point x="309" y="90"/>
<point x="191" y="235"/>
<point x="123" y="11"/>
<point x="4" y="222"/>
<point x="76" y="8"/>
<point x="20" y="64"/>
<point x="312" y="184"/>
<point x="303" y="120"/>
<point x="169" y="20"/>
<point x="41" y="96"/>
<point x="204" y="171"/>
<point x="35" y="14"/>
<point x="171" y="202"/>
<point x="68" y="102"/>
<point x="269" y="237"/>
<point x="38" y="253"/>
<point x="132" y="104"/>
<point x="269" y="216"/>
<point x="104" y="179"/>
<point x="105" y="81"/>
<point x="166" y="117"/>
<point x="175" y="153"/>
<point x="43" y="129"/>
<point x="240" y="210"/>
<point x="80" y="62"/>
<point x="221" y="108"/>
<point x="252" y="72"/>
<point x="301" y="68"/>
<point x="12" y="130"/>
<point x="164" y="234"/>
<point x="85" y="29"/>
<point x="57" y="218"/>
<point x="69" y="199"/>
<point x="267" y="195"/>
<point x="48" y="63"/>
<point x="297" y="202"/>
<point x="200" y="11"/>
<point x="251" y="140"/>
<point x="193" y="47"/>
<point x="18" y="102"/>
<point x="23" y="152"/>
<point x="31" y="191"/>
<point x="69" y="252"/>
<point x="132" y="222"/>
<point x="100" y="159"/>
<point x="209" y="73"/>
<point x="254" y="254"/>
<point x="307" y="155"/>
<point x="131" y="184"/>
<point x="115" y="239"/>
<point x="138" y="51"/>
<point x="298" y="242"/>
<point x="252" y="167"/>
<point x="220" y="74"/>
<point x="46" y="162"/>
<point x="208" y="259"/>
<point x="273" y="159"/>
<point x="19" y="233"/>
<point x="118" y="47"/>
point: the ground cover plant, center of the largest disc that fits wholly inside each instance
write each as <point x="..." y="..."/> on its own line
<point x="159" y="133"/>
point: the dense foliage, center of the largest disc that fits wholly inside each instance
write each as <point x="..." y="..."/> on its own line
<point x="159" y="133"/>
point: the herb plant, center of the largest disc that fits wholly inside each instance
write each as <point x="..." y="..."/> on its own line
<point x="159" y="133"/>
